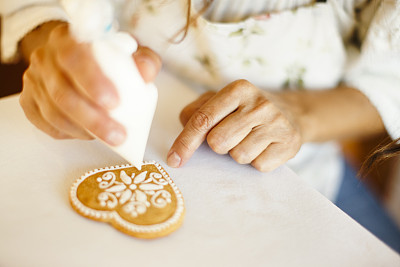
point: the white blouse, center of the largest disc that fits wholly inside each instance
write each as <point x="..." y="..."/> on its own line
<point x="274" y="44"/>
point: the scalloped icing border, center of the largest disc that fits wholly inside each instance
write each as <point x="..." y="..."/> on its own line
<point x="143" y="231"/>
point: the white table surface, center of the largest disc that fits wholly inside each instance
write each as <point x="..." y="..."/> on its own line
<point x="235" y="216"/>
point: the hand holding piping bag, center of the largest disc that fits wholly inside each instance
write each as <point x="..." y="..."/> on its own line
<point x="92" y="22"/>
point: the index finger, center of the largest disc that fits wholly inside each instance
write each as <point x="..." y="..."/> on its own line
<point x="76" y="60"/>
<point x="199" y="125"/>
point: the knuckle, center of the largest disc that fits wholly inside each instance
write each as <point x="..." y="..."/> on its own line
<point x="264" y="104"/>
<point x="60" y="122"/>
<point x="237" y="87"/>
<point x="27" y="77"/>
<point x="240" y="156"/>
<point x="67" y="56"/>
<point x="57" y="33"/>
<point x="261" y="166"/>
<point x="27" y="106"/>
<point x="243" y="86"/>
<point x="185" y="114"/>
<point x="282" y="121"/>
<point x="289" y="135"/>
<point x="241" y="83"/>
<point x="294" y="147"/>
<point x="279" y="121"/>
<point x="23" y="101"/>
<point x="37" y="57"/>
<point x="298" y="140"/>
<point x="71" y="54"/>
<point x="26" y="101"/>
<point x="52" y="84"/>
<point x="262" y="109"/>
<point x="100" y="128"/>
<point x="292" y="155"/>
<point x="48" y="114"/>
<point x="55" y="119"/>
<point x="201" y="121"/>
<point x="295" y="137"/>
<point x="217" y="143"/>
<point x="56" y="134"/>
<point x="62" y="98"/>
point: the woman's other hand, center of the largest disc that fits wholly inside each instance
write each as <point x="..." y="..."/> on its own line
<point x="64" y="91"/>
<point x="253" y="126"/>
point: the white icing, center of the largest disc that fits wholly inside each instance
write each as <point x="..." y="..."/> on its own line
<point x="156" y="178"/>
<point x="126" y="195"/>
<point x="140" y="178"/>
<point x="161" y="198"/>
<point x="115" y="217"/>
<point x="107" y="180"/>
<point x="125" y="178"/>
<point x="107" y="199"/>
<point x="116" y="188"/>
<point x="132" y="186"/>
<point x="133" y="191"/>
<point x="151" y="187"/>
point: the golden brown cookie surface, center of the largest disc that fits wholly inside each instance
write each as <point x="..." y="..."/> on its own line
<point x="145" y="203"/>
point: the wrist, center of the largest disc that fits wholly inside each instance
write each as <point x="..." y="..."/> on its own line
<point x="296" y="109"/>
<point x="334" y="114"/>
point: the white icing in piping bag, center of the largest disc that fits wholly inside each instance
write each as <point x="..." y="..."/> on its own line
<point x="92" y="21"/>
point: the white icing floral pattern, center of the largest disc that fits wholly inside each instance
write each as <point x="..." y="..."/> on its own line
<point x="135" y="193"/>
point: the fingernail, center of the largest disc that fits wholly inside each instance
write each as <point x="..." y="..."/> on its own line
<point x="173" y="160"/>
<point x="116" y="137"/>
<point x="110" y="101"/>
<point x="147" y="68"/>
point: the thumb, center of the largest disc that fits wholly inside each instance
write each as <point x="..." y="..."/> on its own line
<point x="148" y="63"/>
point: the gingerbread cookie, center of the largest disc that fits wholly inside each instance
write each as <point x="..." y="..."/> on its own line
<point x="144" y="204"/>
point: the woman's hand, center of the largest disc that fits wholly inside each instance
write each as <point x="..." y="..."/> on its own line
<point x="253" y="126"/>
<point x="65" y="93"/>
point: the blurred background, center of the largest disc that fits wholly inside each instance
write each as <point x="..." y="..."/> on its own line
<point x="10" y="76"/>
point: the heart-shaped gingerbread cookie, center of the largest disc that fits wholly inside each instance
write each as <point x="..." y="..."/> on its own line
<point x="143" y="203"/>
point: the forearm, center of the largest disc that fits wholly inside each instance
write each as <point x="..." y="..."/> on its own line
<point x="334" y="114"/>
<point x="36" y="38"/>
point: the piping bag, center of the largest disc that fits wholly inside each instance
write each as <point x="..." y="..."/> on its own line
<point x="92" y="21"/>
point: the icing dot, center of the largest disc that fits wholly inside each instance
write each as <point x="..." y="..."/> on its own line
<point x="133" y="186"/>
<point x="99" y="179"/>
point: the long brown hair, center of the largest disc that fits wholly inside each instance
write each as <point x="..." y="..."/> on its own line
<point x="380" y="155"/>
<point x="190" y="19"/>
